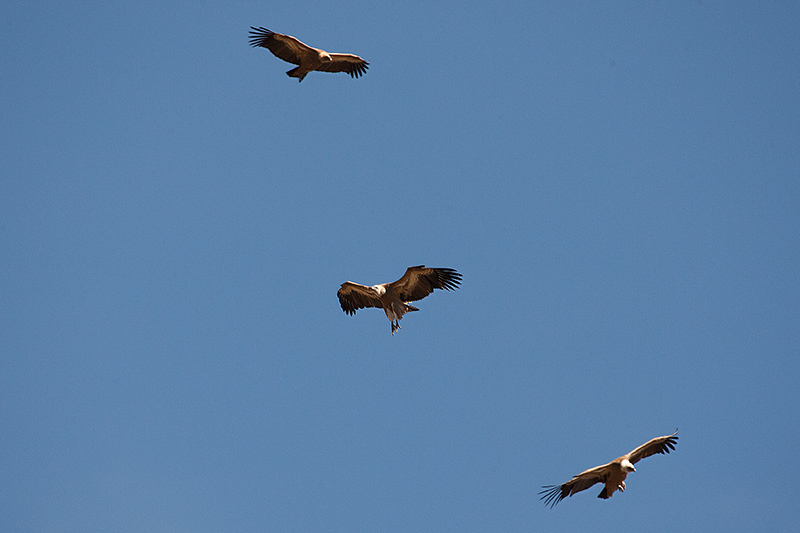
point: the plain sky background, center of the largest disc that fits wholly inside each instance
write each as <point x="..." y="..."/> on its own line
<point x="618" y="183"/>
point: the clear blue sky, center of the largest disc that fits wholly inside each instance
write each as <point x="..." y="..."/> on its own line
<point x="619" y="184"/>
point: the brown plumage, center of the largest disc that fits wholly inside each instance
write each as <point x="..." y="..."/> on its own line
<point x="417" y="283"/>
<point x="306" y="58"/>
<point x="612" y="475"/>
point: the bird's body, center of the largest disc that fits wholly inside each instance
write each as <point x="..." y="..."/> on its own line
<point x="612" y="474"/>
<point x="307" y="58"/>
<point x="417" y="283"/>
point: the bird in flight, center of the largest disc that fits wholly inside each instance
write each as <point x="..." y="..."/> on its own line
<point x="612" y="475"/>
<point x="306" y="58"/>
<point x="417" y="283"/>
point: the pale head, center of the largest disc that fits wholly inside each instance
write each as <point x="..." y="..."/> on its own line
<point x="627" y="466"/>
<point x="380" y="289"/>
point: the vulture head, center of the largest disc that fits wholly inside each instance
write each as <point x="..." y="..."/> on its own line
<point x="627" y="466"/>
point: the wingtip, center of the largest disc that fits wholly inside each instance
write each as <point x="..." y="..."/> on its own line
<point x="551" y="495"/>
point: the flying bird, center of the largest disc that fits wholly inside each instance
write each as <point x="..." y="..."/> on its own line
<point x="417" y="283"/>
<point x="612" y="474"/>
<point x="294" y="51"/>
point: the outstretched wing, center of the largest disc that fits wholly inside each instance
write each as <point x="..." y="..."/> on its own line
<point x="552" y="494"/>
<point x="653" y="446"/>
<point x="285" y="47"/>
<point x="419" y="281"/>
<point x="353" y="296"/>
<point x="349" y="63"/>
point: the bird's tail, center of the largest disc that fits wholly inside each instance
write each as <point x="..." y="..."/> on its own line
<point x="604" y="494"/>
<point x="295" y="73"/>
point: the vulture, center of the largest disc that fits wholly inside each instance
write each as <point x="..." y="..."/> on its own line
<point x="305" y="57"/>
<point x="417" y="283"/>
<point x="612" y="475"/>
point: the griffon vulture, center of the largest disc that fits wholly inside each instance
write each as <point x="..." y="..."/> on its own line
<point x="612" y="474"/>
<point x="417" y="283"/>
<point x="307" y="58"/>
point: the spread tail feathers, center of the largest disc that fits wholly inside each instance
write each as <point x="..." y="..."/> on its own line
<point x="294" y="73"/>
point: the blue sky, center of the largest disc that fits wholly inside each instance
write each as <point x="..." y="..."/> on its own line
<point x="617" y="183"/>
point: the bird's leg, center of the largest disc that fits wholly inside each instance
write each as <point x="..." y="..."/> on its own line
<point x="395" y="326"/>
<point x="621" y="486"/>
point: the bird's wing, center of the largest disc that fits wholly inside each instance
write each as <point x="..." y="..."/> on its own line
<point x="353" y="296"/>
<point x="653" y="446"/>
<point x="419" y="281"/>
<point x="353" y="65"/>
<point x="552" y="494"/>
<point x="285" y="47"/>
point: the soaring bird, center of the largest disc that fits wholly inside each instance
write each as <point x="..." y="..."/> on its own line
<point x="417" y="283"/>
<point x="292" y="50"/>
<point x="612" y="474"/>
